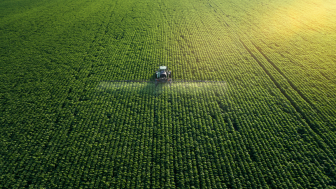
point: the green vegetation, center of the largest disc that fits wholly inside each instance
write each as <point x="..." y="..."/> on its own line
<point x="270" y="121"/>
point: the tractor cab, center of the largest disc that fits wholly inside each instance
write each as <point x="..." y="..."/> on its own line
<point x="163" y="75"/>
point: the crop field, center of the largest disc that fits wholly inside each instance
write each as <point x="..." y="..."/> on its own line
<point x="252" y="103"/>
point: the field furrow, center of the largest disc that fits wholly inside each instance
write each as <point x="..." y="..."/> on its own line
<point x="251" y="105"/>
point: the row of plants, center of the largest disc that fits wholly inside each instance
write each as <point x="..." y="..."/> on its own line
<point x="65" y="123"/>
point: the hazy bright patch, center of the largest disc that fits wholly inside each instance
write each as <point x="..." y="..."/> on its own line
<point x="299" y="17"/>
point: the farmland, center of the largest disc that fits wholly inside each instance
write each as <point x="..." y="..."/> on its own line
<point x="267" y="119"/>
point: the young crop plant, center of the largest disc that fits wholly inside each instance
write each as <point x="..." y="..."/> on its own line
<point x="250" y="105"/>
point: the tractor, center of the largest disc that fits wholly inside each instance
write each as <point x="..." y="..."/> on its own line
<point x="163" y="75"/>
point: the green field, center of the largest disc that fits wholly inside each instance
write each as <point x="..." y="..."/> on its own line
<point x="268" y="122"/>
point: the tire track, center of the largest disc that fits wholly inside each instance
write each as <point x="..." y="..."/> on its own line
<point x="323" y="141"/>
<point x="293" y="103"/>
<point x="312" y="105"/>
<point x="284" y="76"/>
